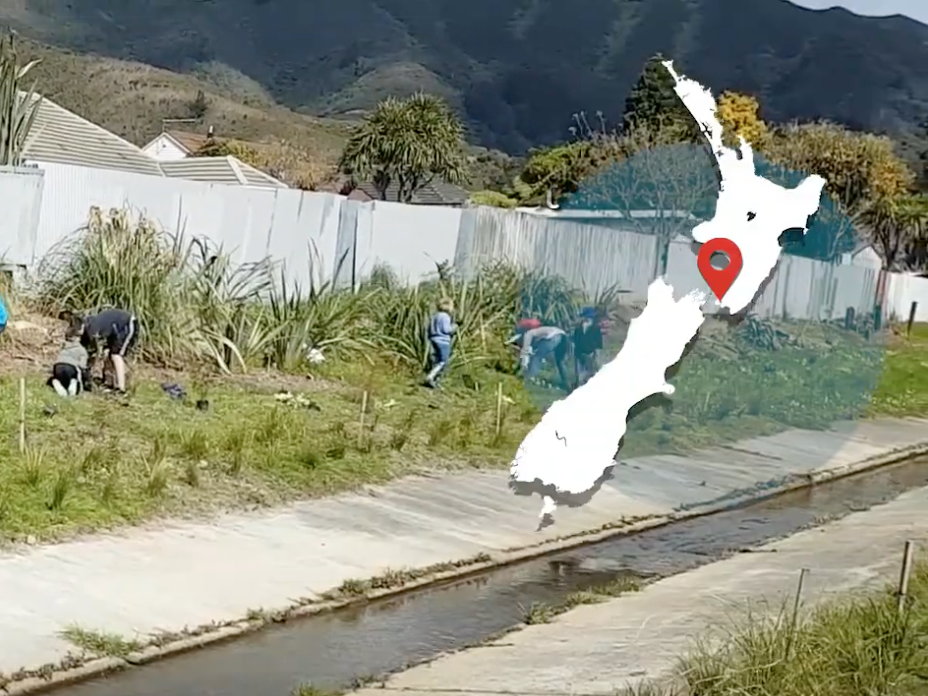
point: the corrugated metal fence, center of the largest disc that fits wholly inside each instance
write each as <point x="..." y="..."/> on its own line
<point x="327" y="237"/>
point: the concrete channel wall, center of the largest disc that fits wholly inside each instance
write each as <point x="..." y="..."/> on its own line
<point x="148" y="581"/>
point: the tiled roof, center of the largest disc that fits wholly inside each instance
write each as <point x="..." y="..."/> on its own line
<point x="63" y="137"/>
<point x="220" y="170"/>
<point x="435" y="193"/>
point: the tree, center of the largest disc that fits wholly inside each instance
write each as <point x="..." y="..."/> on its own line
<point x="831" y="230"/>
<point x="738" y="114"/>
<point x="661" y="187"/>
<point x="492" y="199"/>
<point x="19" y="104"/>
<point x="859" y="168"/>
<point x="406" y="143"/>
<point x="285" y="161"/>
<point x="199" y="106"/>
<point x="653" y="104"/>
<point x="896" y="224"/>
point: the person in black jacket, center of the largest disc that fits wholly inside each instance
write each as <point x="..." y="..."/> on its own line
<point x="118" y="330"/>
<point x="588" y="341"/>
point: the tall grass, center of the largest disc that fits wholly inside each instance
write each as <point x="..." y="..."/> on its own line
<point x="842" y="648"/>
<point x="194" y="303"/>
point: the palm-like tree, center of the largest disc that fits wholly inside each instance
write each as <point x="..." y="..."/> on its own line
<point x="406" y="143"/>
<point x="895" y="223"/>
<point x="18" y="105"/>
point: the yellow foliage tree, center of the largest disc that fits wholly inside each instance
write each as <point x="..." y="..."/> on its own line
<point x="738" y="114"/>
<point x="859" y="168"/>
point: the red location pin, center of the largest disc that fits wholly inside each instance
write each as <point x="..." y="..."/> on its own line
<point x="719" y="279"/>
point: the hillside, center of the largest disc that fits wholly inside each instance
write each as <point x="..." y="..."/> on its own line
<point x="518" y="69"/>
<point x="131" y="99"/>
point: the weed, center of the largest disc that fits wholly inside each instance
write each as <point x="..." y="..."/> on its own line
<point x="439" y="432"/>
<point x="194" y="445"/>
<point x="192" y="473"/>
<point x="61" y="487"/>
<point x="538" y="613"/>
<point x="157" y="477"/>
<point x="400" y="436"/>
<point x="100" y="643"/>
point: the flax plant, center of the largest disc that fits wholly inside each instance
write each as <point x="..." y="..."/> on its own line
<point x="19" y="104"/>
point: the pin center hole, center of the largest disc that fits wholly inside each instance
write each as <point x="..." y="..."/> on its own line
<point x="719" y="260"/>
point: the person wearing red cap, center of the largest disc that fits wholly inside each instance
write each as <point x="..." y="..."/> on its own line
<point x="536" y="342"/>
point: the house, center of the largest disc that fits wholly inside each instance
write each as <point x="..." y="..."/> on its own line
<point x="60" y="136"/>
<point x="863" y="255"/>
<point x="434" y="193"/>
<point x="220" y="170"/>
<point x="174" y="145"/>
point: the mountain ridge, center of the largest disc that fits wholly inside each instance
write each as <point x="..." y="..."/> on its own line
<point x="516" y="69"/>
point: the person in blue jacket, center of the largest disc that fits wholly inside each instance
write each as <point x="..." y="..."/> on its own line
<point x="3" y="315"/>
<point x="441" y="330"/>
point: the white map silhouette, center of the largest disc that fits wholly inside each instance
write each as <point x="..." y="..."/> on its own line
<point x="570" y="449"/>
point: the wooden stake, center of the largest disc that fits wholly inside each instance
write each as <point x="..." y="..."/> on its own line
<point x="499" y="408"/>
<point x="363" y="414"/>
<point x="794" y="619"/>
<point x="22" y="415"/>
<point x="907" y="558"/>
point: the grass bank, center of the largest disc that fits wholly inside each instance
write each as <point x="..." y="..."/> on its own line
<point x="853" y="646"/>
<point x="279" y="426"/>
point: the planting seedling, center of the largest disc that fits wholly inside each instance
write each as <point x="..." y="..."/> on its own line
<point x="239" y="336"/>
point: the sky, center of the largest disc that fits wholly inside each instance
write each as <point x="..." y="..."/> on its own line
<point x="916" y="9"/>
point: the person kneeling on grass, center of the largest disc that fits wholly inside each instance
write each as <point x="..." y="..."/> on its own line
<point x="118" y="330"/>
<point x="441" y="331"/>
<point x="70" y="373"/>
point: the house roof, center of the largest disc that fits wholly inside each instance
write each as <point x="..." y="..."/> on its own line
<point x="434" y="193"/>
<point x="220" y="170"/>
<point x="63" y="137"/>
<point x="190" y="142"/>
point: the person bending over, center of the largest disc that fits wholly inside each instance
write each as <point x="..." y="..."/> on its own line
<point x="536" y="343"/>
<point x="70" y="373"/>
<point x="588" y="342"/>
<point x="118" y="330"/>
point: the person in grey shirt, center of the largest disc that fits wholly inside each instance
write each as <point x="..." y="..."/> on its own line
<point x="536" y="344"/>
<point x="70" y="373"/>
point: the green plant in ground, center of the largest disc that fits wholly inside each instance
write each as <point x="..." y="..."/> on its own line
<point x="538" y="613"/>
<point x="310" y="690"/>
<point x="100" y="643"/>
<point x="19" y="103"/>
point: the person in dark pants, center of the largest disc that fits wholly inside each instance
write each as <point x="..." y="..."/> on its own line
<point x="588" y="341"/>
<point x="70" y="373"/>
<point x="537" y="343"/>
<point x="118" y="330"/>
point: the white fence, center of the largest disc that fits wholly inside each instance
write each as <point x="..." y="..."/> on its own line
<point x="325" y="236"/>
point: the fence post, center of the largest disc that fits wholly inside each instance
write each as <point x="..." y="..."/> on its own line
<point x="908" y="328"/>
<point x="904" y="575"/>
<point x="849" y="319"/>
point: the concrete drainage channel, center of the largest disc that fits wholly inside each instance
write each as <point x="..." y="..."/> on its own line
<point x="338" y="650"/>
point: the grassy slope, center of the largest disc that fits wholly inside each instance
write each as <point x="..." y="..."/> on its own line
<point x="131" y="99"/>
<point x="98" y="462"/>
